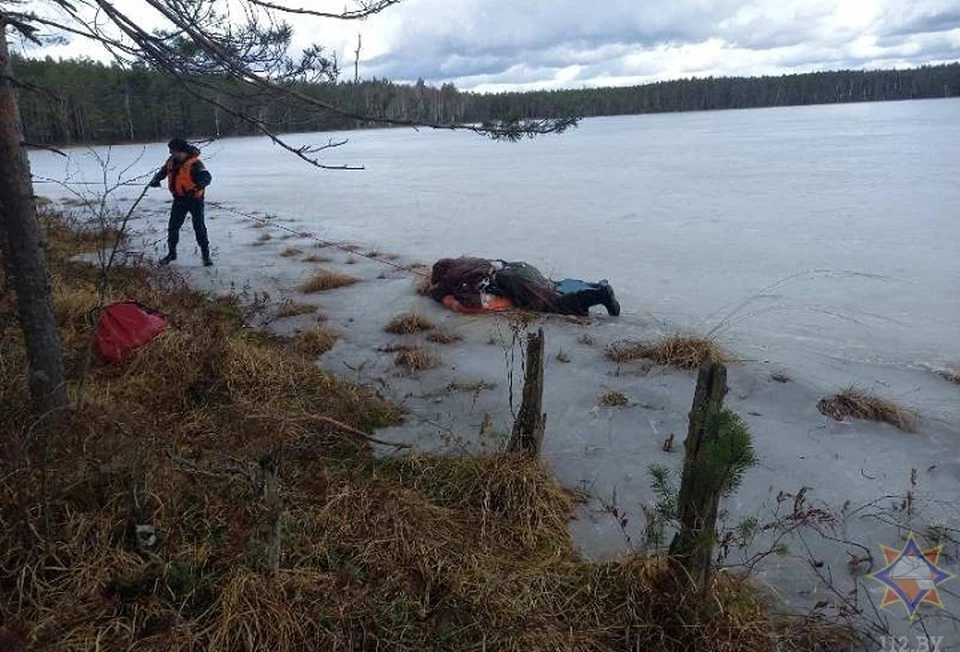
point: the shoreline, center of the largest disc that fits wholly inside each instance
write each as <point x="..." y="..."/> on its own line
<point x="464" y="405"/>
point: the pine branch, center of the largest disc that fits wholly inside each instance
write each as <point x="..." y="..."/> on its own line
<point x="367" y="9"/>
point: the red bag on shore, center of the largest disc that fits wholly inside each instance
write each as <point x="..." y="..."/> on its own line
<point x="124" y="327"/>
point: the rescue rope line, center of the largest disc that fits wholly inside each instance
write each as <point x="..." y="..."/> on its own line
<point x="266" y="221"/>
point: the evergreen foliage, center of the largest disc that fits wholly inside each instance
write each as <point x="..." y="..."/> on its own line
<point x="83" y="101"/>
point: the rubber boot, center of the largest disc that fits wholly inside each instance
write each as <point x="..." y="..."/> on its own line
<point x="169" y="258"/>
<point x="609" y="299"/>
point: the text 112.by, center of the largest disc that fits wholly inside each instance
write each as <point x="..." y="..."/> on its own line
<point x="911" y="644"/>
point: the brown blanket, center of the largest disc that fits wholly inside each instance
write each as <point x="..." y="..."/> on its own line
<point x="462" y="278"/>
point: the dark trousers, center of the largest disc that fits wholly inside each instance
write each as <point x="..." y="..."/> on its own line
<point x="579" y="302"/>
<point x="178" y="215"/>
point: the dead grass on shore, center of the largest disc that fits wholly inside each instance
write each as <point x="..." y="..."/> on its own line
<point x="408" y="324"/>
<point x="407" y="554"/>
<point x="853" y="403"/>
<point x="423" y="285"/>
<point x="290" y="252"/>
<point x="416" y="358"/>
<point x="290" y="308"/>
<point x="444" y="337"/>
<point x="317" y="259"/>
<point x="614" y="399"/>
<point x="324" y="279"/>
<point x="315" y="341"/>
<point x="681" y="351"/>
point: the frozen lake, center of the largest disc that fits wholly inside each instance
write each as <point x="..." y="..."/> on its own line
<point x="688" y="215"/>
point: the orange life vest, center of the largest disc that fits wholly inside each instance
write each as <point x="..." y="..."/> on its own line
<point x="180" y="181"/>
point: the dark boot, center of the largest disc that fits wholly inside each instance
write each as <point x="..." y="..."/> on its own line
<point x="205" y="254"/>
<point x="169" y="258"/>
<point x="609" y="299"/>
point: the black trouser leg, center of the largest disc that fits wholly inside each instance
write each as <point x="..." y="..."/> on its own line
<point x="200" y="227"/>
<point x="178" y="214"/>
<point x="579" y="303"/>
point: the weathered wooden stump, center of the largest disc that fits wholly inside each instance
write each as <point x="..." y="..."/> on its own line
<point x="270" y="465"/>
<point x="531" y="421"/>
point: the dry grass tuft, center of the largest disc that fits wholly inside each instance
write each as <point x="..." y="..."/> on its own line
<point x="444" y="337"/>
<point x="408" y="323"/>
<point x="315" y="342"/>
<point x="614" y="399"/>
<point x="423" y="285"/>
<point x="470" y="387"/>
<point x="416" y="358"/>
<point x="499" y="486"/>
<point x="264" y="237"/>
<point x="290" y="308"/>
<point x="72" y="236"/>
<point x="323" y="280"/>
<point x="856" y="404"/>
<point x="290" y="252"/>
<point x="587" y="339"/>
<point x="951" y="376"/>
<point x="682" y="351"/>
<point x="318" y="259"/>
<point x="351" y="260"/>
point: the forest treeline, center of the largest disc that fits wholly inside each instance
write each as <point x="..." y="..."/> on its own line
<point x="83" y="101"/>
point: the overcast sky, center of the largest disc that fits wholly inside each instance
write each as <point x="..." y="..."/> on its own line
<point x="494" y="45"/>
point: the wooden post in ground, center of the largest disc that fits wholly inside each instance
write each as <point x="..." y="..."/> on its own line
<point x="700" y="486"/>
<point x="270" y="464"/>
<point x="531" y="421"/>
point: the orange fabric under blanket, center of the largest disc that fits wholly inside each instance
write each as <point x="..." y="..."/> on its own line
<point x="490" y="302"/>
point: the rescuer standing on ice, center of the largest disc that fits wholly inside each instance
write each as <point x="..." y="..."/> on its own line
<point x="186" y="177"/>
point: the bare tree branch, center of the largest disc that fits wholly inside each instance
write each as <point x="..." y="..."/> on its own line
<point x="48" y="148"/>
<point x="366" y="9"/>
<point x="207" y="50"/>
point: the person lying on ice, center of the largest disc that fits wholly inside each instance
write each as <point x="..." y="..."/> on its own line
<point x="478" y="285"/>
<point x="186" y="177"/>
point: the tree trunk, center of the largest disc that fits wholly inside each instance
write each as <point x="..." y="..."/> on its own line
<point x="699" y="499"/>
<point x="129" y="113"/>
<point x="23" y="251"/>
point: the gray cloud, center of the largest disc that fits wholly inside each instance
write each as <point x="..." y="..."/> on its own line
<point x="935" y="21"/>
<point x="549" y="32"/>
<point x="503" y="44"/>
<point x="484" y="43"/>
